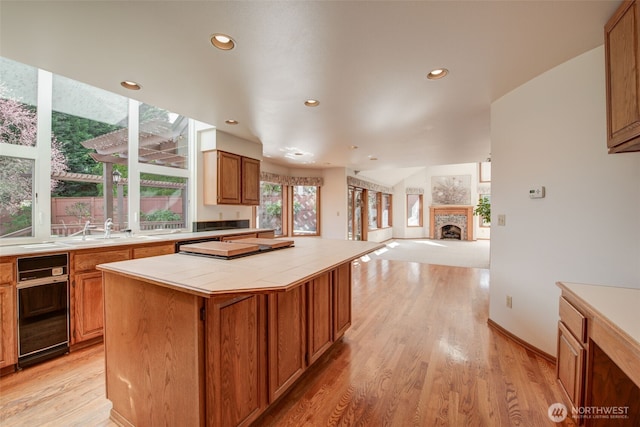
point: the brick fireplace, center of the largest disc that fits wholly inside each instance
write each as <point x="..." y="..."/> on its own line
<point x="451" y="221"/>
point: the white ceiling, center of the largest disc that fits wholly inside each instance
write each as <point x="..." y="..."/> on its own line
<point x="365" y="61"/>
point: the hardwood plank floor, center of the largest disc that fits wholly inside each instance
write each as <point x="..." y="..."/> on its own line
<point x="419" y="353"/>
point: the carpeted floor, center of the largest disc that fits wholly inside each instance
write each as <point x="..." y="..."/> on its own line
<point x="443" y="252"/>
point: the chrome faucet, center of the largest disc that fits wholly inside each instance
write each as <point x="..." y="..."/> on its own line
<point x="85" y="229"/>
<point x="108" y="224"/>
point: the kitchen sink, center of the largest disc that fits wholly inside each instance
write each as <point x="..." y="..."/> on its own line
<point x="89" y="241"/>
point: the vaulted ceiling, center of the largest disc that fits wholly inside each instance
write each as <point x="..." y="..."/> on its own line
<point x="365" y="61"/>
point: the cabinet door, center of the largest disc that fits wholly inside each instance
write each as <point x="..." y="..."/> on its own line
<point x="622" y="60"/>
<point x="320" y="320"/>
<point x="236" y="378"/>
<point x="570" y="365"/>
<point x="287" y="344"/>
<point x="250" y="181"/>
<point x="149" y="251"/>
<point x="8" y="349"/>
<point x="229" y="178"/>
<point x="88" y="319"/>
<point x="341" y="300"/>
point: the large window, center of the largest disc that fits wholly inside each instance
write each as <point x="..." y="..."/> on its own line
<point x="19" y="136"/>
<point x="385" y="205"/>
<point x="270" y="213"/>
<point x="414" y="210"/>
<point x="89" y="155"/>
<point x="163" y="137"/>
<point x="372" y="209"/>
<point x="89" y="125"/>
<point x="162" y="202"/>
<point x="305" y="210"/>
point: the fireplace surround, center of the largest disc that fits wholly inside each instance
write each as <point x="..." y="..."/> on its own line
<point x="444" y="219"/>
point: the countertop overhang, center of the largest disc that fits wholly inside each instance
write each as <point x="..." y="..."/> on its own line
<point x="271" y="271"/>
<point x="619" y="307"/>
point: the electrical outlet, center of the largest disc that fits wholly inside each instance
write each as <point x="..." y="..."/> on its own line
<point x="509" y="301"/>
<point x="502" y="219"/>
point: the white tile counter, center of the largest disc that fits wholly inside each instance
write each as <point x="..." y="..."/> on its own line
<point x="275" y="270"/>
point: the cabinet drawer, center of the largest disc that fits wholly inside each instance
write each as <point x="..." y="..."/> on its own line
<point x="573" y="319"/>
<point x="89" y="260"/>
<point x="147" y="251"/>
<point x="6" y="272"/>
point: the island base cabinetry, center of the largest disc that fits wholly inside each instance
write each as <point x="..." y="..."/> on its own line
<point x="153" y="353"/>
<point x="236" y="380"/>
<point x="176" y="358"/>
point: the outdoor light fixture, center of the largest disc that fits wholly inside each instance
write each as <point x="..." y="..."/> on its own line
<point x="116" y="176"/>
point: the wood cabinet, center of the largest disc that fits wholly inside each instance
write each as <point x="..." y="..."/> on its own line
<point x="341" y="300"/>
<point x="622" y="62"/>
<point x="88" y="319"/>
<point x="8" y="316"/>
<point x="598" y="361"/>
<point x="236" y="378"/>
<point x="230" y="179"/>
<point x="571" y="352"/>
<point x="319" y="316"/>
<point x="570" y="365"/>
<point x="86" y="314"/>
<point x="250" y="181"/>
<point x="153" y="250"/>
<point x="224" y="358"/>
<point x="287" y="339"/>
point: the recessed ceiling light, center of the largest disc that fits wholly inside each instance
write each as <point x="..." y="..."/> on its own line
<point x="438" y="73"/>
<point x="353" y="147"/>
<point x="231" y="122"/>
<point x="222" y="41"/>
<point x="298" y="154"/>
<point x="311" y="102"/>
<point x="131" y="85"/>
<point x="373" y="158"/>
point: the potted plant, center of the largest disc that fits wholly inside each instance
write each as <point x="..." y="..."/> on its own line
<point x="483" y="210"/>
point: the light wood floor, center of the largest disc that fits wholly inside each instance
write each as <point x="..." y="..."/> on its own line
<point x="419" y="353"/>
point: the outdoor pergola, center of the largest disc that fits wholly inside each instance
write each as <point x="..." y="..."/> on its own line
<point x="160" y="142"/>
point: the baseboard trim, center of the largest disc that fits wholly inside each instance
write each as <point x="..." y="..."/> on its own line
<point x="520" y="341"/>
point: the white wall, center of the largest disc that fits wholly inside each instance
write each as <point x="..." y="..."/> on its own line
<point x="333" y="204"/>
<point x="552" y="132"/>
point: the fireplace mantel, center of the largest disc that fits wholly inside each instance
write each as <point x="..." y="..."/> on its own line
<point x="462" y="210"/>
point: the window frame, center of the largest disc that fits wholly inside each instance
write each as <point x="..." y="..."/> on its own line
<point x="420" y="210"/>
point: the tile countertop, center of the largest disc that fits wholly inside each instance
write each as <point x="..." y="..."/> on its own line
<point x="58" y="245"/>
<point x="620" y="306"/>
<point x="263" y="272"/>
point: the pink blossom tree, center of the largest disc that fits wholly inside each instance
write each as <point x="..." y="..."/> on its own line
<point x="18" y="126"/>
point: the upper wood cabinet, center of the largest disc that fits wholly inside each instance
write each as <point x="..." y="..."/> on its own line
<point x="230" y="179"/>
<point x="622" y="63"/>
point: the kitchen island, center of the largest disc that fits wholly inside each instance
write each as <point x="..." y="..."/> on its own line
<point x="192" y="340"/>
